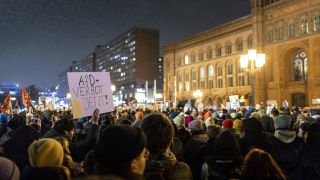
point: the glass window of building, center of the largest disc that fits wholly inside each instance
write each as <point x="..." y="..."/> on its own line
<point x="230" y="74"/>
<point x="250" y="42"/>
<point x="219" y="76"/>
<point x="186" y="59"/>
<point x="193" y="57"/>
<point x="218" y="50"/>
<point x="194" y="79"/>
<point x="269" y="34"/>
<point x="304" y="25"/>
<point x="209" y="53"/>
<point x="300" y="65"/>
<point x="239" y="45"/>
<point x="240" y="76"/>
<point x="202" y="78"/>
<point x="292" y="29"/>
<point x="280" y="31"/>
<point x="179" y="61"/>
<point x="228" y="48"/>
<point x="187" y="80"/>
<point x="210" y="76"/>
<point x="316" y="22"/>
<point x="201" y="55"/>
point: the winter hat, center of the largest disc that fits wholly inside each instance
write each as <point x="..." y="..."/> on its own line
<point x="139" y="115"/>
<point x="255" y="115"/>
<point x="262" y="112"/>
<point x="8" y="169"/>
<point x="228" y="123"/>
<point x="3" y="118"/>
<point x="16" y="122"/>
<point x="46" y="152"/>
<point x="283" y="122"/>
<point x="209" y="122"/>
<point x="233" y="115"/>
<point x="305" y="110"/>
<point x="119" y="145"/>
<point x="179" y="121"/>
<point x="201" y="113"/>
<point x="189" y="119"/>
<point x="237" y="125"/>
<point x="195" y="125"/>
<point x="208" y="114"/>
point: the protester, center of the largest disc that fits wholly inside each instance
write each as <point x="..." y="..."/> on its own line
<point x="287" y="147"/>
<point x="46" y="158"/>
<point x="259" y="164"/>
<point x="162" y="163"/>
<point x="138" y="119"/>
<point x="120" y="152"/>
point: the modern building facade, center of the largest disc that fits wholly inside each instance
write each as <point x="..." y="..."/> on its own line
<point x="287" y="31"/>
<point x="132" y="60"/>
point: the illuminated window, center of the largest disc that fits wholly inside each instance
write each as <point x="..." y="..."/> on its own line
<point x="210" y="76"/>
<point x="300" y="66"/>
<point x="186" y="59"/>
<point x="202" y="77"/>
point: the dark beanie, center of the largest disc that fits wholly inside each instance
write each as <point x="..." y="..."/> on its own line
<point x="119" y="145"/>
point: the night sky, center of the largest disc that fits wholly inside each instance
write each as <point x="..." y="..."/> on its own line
<point x="40" y="38"/>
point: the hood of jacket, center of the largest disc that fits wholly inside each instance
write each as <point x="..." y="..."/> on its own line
<point x="286" y="136"/>
<point x="157" y="164"/>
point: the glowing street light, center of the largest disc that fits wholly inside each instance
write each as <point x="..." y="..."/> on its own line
<point x="257" y="61"/>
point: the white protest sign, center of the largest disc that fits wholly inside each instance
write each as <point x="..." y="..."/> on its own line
<point x="90" y="90"/>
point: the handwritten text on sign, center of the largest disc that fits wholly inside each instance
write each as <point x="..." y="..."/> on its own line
<point x="90" y="90"/>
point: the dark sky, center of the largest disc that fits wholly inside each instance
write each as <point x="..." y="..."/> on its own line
<point x="40" y="38"/>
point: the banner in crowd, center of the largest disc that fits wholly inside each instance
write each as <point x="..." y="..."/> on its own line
<point x="25" y="98"/>
<point x="7" y="105"/>
<point x="90" y="90"/>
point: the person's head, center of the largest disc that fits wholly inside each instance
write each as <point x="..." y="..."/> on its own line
<point x="121" y="151"/>
<point x="226" y="144"/>
<point x="252" y="126"/>
<point x="275" y="113"/>
<point x="46" y="152"/>
<point x="159" y="132"/>
<point x="258" y="164"/>
<point x="227" y="124"/>
<point x="196" y="127"/>
<point x="180" y="121"/>
<point x="213" y="131"/>
<point x="283" y="122"/>
<point x="237" y="126"/>
<point x="17" y="121"/>
<point x="65" y="126"/>
<point x="48" y="116"/>
<point x="139" y="115"/>
<point x="255" y="115"/>
<point x="9" y="169"/>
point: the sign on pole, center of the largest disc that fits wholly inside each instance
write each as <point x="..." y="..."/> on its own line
<point x="90" y="90"/>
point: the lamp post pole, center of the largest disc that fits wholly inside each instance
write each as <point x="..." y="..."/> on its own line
<point x="257" y="61"/>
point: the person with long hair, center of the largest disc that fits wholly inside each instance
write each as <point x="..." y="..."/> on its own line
<point x="259" y="164"/>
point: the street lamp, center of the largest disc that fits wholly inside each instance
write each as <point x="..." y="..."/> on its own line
<point x="256" y="61"/>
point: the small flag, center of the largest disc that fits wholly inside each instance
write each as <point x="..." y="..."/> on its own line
<point x="25" y="97"/>
<point x="6" y="104"/>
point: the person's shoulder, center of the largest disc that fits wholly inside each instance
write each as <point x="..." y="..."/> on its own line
<point x="181" y="171"/>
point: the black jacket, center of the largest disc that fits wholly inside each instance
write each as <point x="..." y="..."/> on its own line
<point x="46" y="173"/>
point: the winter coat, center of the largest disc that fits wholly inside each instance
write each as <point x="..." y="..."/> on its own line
<point x="255" y="140"/>
<point x="267" y="125"/>
<point x="193" y="155"/>
<point x="47" y="173"/>
<point x="16" y="148"/>
<point x="220" y="167"/>
<point x="165" y="166"/>
<point x="287" y="149"/>
<point x="79" y="149"/>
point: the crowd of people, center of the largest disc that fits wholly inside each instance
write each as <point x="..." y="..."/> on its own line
<point x="246" y="143"/>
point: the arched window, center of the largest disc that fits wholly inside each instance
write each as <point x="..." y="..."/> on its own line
<point x="316" y="22"/>
<point x="193" y="57"/>
<point x="228" y="48"/>
<point x="304" y="25"/>
<point x="292" y="29"/>
<point x="230" y="74"/>
<point x="280" y="31"/>
<point x="187" y="80"/>
<point x="240" y="76"/>
<point x="269" y="34"/>
<point x="218" y="50"/>
<point x="209" y="53"/>
<point x="219" y="76"/>
<point x="186" y="59"/>
<point x="180" y="83"/>
<point x="202" y="78"/>
<point x="300" y="64"/>
<point x="210" y="76"/>
<point x="239" y="45"/>
<point x="194" y="79"/>
<point x="250" y="42"/>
